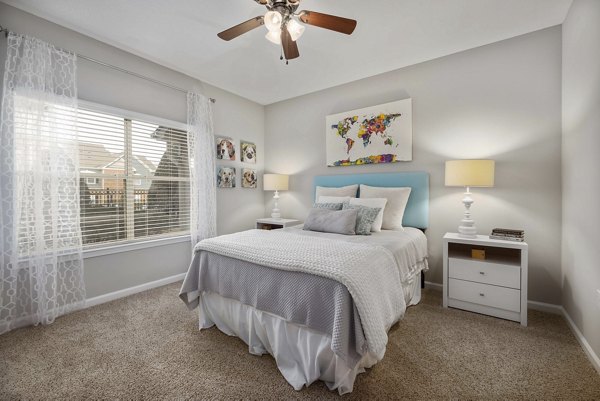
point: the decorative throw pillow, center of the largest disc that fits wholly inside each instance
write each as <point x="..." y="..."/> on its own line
<point x="372" y="202"/>
<point x="334" y="199"/>
<point x="331" y="221"/>
<point x="349" y="190"/>
<point x="365" y="218"/>
<point x="329" y="206"/>
<point x="394" y="209"/>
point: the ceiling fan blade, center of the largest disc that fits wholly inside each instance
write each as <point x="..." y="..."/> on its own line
<point x="290" y="48"/>
<point x="241" y="29"/>
<point x="338" y="24"/>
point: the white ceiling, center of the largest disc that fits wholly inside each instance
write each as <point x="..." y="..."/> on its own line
<point x="391" y="34"/>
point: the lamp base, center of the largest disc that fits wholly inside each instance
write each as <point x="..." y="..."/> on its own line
<point x="467" y="228"/>
<point x="275" y="214"/>
<point x="467" y="231"/>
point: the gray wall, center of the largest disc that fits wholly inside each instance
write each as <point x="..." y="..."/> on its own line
<point x="233" y="116"/>
<point x="500" y="101"/>
<point x="581" y="168"/>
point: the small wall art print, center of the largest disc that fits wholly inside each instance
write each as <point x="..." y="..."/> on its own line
<point x="225" y="177"/>
<point x="225" y="149"/>
<point x="377" y="134"/>
<point x="248" y="152"/>
<point x="248" y="178"/>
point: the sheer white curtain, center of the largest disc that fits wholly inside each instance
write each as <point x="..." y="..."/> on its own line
<point x="201" y="148"/>
<point x="41" y="275"/>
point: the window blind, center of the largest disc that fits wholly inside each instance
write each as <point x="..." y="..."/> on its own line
<point x="134" y="179"/>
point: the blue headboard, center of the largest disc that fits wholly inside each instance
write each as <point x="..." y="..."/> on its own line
<point x="417" y="209"/>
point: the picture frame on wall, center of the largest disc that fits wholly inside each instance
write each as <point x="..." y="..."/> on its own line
<point x="226" y="177"/>
<point x="248" y="152"/>
<point x="249" y="178"/>
<point x="372" y="135"/>
<point x="225" y="148"/>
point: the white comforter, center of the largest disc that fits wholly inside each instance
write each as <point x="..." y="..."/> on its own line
<point x="408" y="246"/>
<point x="371" y="272"/>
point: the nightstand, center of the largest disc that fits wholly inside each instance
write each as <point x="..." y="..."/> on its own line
<point x="495" y="286"/>
<point x="272" y="224"/>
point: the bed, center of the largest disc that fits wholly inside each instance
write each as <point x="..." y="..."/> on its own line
<point x="321" y="304"/>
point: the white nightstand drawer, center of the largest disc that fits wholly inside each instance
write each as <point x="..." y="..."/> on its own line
<point x="484" y="294"/>
<point x="481" y="271"/>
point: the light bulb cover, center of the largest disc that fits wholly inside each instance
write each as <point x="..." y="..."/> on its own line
<point x="295" y="29"/>
<point x="273" y="20"/>
<point x="274" y="36"/>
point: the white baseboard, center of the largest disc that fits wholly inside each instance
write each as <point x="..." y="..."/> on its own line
<point x="582" y="341"/>
<point x="544" y="307"/>
<point x="434" y="286"/>
<point x="132" y="290"/>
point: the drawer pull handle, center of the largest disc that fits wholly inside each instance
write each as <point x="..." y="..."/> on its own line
<point x="481" y="294"/>
<point x="482" y="273"/>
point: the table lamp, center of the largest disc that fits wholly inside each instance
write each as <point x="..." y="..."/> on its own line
<point x="469" y="173"/>
<point x="276" y="182"/>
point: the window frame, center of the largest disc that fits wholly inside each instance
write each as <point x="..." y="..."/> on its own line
<point x="95" y="250"/>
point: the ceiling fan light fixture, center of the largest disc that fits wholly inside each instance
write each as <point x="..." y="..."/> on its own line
<point x="295" y="29"/>
<point x="273" y="20"/>
<point x="274" y="36"/>
<point x="285" y="25"/>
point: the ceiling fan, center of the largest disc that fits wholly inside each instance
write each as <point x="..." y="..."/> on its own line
<point x="283" y="23"/>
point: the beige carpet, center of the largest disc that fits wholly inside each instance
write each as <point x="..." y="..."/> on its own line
<point x="147" y="346"/>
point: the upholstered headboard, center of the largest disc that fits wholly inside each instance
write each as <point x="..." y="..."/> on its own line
<point x="417" y="209"/>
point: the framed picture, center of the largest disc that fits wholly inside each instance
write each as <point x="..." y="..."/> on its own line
<point x="248" y="152"/>
<point x="225" y="177"/>
<point x="377" y="134"/>
<point x="225" y="149"/>
<point x="248" y="178"/>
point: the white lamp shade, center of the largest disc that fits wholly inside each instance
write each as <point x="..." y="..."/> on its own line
<point x="470" y="173"/>
<point x="273" y="20"/>
<point x="274" y="36"/>
<point x="276" y="182"/>
<point x="295" y="29"/>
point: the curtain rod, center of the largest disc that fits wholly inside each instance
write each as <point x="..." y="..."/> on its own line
<point x="114" y="67"/>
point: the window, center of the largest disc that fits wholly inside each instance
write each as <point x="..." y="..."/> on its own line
<point x="134" y="177"/>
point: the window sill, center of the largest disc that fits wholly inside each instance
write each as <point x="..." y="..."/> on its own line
<point x="132" y="246"/>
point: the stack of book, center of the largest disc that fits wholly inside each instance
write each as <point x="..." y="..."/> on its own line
<point x="508" y="234"/>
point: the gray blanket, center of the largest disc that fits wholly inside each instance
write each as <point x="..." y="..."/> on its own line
<point x="319" y="303"/>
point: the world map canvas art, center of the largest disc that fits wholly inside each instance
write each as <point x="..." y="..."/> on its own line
<point x="377" y="134"/>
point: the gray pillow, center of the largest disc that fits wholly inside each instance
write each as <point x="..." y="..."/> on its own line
<point x="327" y="205"/>
<point x="365" y="218"/>
<point x="331" y="221"/>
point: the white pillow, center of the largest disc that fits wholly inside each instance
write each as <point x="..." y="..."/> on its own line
<point x="397" y="198"/>
<point x="349" y="190"/>
<point x="372" y="202"/>
<point x="334" y="199"/>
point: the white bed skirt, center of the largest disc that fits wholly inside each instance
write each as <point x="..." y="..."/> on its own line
<point x="302" y="355"/>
